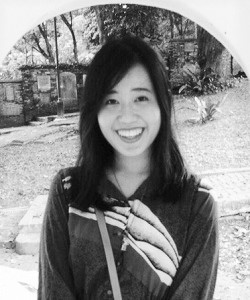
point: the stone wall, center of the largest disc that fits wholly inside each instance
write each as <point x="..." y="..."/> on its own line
<point x="40" y="89"/>
<point x="11" y="103"/>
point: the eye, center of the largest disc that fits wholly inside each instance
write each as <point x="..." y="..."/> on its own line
<point x="141" y="99"/>
<point x="110" y="102"/>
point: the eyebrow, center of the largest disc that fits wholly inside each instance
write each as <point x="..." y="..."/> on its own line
<point x="137" y="89"/>
<point x="142" y="89"/>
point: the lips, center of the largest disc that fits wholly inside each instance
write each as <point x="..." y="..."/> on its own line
<point x="130" y="135"/>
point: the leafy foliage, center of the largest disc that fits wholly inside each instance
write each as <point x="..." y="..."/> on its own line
<point x="208" y="83"/>
<point x="121" y="19"/>
<point x="206" y="109"/>
<point x="80" y="34"/>
<point x="181" y="27"/>
<point x="37" y="47"/>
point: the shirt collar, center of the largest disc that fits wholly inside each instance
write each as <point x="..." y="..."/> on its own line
<point x="109" y="189"/>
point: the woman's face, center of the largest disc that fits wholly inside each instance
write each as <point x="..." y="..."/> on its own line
<point x="130" y="117"/>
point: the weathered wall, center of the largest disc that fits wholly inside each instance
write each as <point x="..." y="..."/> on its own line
<point x="11" y="103"/>
<point x="40" y="89"/>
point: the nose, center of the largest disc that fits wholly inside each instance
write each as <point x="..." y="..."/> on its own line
<point x="127" y="113"/>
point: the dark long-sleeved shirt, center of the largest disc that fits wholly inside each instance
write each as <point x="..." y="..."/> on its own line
<point x="162" y="250"/>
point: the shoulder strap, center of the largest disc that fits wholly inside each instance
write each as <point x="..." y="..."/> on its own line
<point x="109" y="254"/>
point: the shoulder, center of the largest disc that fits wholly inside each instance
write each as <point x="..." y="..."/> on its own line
<point x="62" y="190"/>
<point x="204" y="203"/>
<point x="198" y="198"/>
<point x="67" y="181"/>
<point x="67" y="175"/>
<point x="71" y="172"/>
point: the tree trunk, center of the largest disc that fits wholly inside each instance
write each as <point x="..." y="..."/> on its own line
<point x="41" y="50"/>
<point x="100" y="23"/>
<point x="44" y="33"/>
<point x="171" y="25"/>
<point x="70" y="27"/>
<point x="176" y="21"/>
<point x="212" y="54"/>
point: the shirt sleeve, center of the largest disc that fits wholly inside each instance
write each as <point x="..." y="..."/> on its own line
<point x="196" y="276"/>
<point x="55" y="275"/>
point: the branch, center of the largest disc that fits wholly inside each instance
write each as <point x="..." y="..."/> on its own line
<point x="36" y="49"/>
<point x="71" y="18"/>
<point x="44" y="33"/>
<point x="185" y="27"/>
<point x="42" y="30"/>
<point x="70" y="27"/>
<point x="40" y="49"/>
<point x="66" y="21"/>
<point x="100" y="24"/>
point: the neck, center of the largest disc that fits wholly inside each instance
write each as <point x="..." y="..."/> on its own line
<point x="136" y="165"/>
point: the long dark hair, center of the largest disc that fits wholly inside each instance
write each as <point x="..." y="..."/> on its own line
<point x="168" y="173"/>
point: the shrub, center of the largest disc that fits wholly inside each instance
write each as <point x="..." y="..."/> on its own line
<point x="208" y="83"/>
<point x="206" y="109"/>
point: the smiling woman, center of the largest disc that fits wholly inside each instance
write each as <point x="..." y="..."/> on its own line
<point x="161" y="222"/>
<point x="130" y="116"/>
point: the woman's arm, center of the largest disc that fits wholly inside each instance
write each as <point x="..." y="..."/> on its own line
<point x="55" y="275"/>
<point x="196" y="276"/>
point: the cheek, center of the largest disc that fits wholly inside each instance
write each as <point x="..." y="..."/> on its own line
<point x="104" y="120"/>
<point x="155" y="115"/>
<point x="157" y="125"/>
<point x="101" y="121"/>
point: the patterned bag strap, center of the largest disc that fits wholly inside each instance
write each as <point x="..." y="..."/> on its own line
<point x="109" y="254"/>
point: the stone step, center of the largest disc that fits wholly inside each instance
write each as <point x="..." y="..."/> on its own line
<point x="42" y="119"/>
<point x="32" y="220"/>
<point x="36" y="123"/>
<point x="29" y="228"/>
<point x="27" y="243"/>
<point x="9" y="219"/>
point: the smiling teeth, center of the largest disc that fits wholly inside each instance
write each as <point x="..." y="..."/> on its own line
<point x="130" y="133"/>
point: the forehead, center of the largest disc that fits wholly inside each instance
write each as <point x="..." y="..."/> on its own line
<point x="137" y="76"/>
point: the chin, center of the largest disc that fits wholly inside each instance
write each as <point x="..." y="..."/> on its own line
<point x="132" y="153"/>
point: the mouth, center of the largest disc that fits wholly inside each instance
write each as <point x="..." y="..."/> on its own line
<point x="130" y="135"/>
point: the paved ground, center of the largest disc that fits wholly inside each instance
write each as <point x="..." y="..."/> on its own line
<point x="25" y="134"/>
<point x="231" y="189"/>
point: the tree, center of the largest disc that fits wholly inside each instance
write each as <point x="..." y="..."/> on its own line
<point x="121" y="19"/>
<point x="210" y="52"/>
<point x="45" y="32"/>
<point x="80" y="33"/>
<point x="99" y="13"/>
<point x="180" y="26"/>
<point x="69" y="24"/>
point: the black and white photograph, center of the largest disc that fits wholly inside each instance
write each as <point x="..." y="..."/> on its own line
<point x="124" y="150"/>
